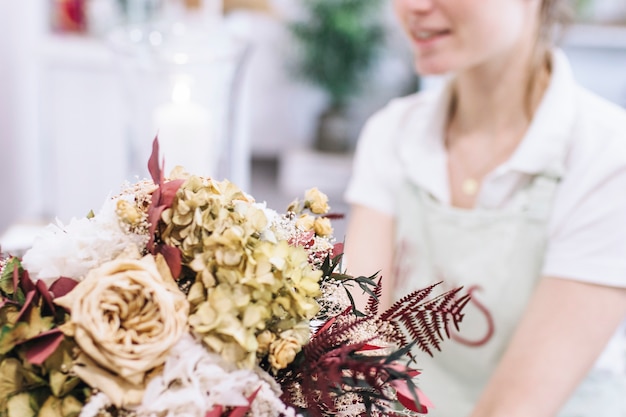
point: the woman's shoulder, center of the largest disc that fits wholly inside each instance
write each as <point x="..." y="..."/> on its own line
<point x="599" y="133"/>
<point x="599" y="120"/>
<point x="589" y="210"/>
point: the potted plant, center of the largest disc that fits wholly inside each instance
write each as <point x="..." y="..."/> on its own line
<point x="338" y="43"/>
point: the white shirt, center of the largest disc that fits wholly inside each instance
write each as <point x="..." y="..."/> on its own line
<point x="587" y="228"/>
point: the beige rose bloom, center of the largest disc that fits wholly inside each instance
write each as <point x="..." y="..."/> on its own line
<point x="265" y="339"/>
<point x="305" y="222"/>
<point x="323" y="227"/>
<point x="125" y="317"/>
<point x="317" y="201"/>
<point x="283" y="351"/>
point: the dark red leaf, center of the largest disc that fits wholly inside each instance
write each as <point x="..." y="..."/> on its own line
<point x="337" y="250"/>
<point x="326" y="326"/>
<point x="241" y="411"/>
<point x="47" y="298"/>
<point x="172" y="258"/>
<point x="367" y="346"/>
<point x="155" y="200"/>
<point x="25" y="282"/>
<point x="413" y="373"/>
<point x="30" y="296"/>
<point x="153" y="162"/>
<point x="334" y="216"/>
<point x="43" y="345"/>
<point x="215" y="411"/>
<point x="62" y="286"/>
<point x="168" y="192"/>
<point x="154" y="216"/>
<point x="406" y="397"/>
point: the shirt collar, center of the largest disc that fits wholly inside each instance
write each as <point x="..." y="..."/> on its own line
<point x="421" y="149"/>
<point x="421" y="142"/>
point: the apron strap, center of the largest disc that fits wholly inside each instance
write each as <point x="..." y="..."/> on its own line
<point x="540" y="195"/>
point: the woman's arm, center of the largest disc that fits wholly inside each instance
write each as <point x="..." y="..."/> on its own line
<point x="369" y="248"/>
<point x="565" y="328"/>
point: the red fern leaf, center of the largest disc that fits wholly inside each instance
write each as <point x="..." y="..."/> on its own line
<point x="423" y="320"/>
<point x="407" y="303"/>
<point x="373" y="303"/>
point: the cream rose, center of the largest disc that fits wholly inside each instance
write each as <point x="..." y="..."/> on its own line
<point x="283" y="351"/>
<point x="305" y="222"/>
<point x="265" y="339"/>
<point x="317" y="201"/>
<point x="323" y="226"/>
<point x="125" y="317"/>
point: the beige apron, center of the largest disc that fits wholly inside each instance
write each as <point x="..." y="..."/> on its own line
<point x="497" y="256"/>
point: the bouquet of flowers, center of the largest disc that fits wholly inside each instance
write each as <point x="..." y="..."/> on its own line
<point x="183" y="296"/>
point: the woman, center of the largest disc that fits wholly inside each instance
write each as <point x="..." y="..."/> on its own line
<point x="512" y="183"/>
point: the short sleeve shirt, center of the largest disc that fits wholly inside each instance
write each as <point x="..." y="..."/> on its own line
<point x="573" y="132"/>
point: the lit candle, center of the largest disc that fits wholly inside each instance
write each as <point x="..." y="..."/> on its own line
<point x="186" y="133"/>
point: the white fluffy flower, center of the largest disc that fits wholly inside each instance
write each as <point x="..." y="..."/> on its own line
<point x="74" y="249"/>
<point x="96" y="404"/>
<point x="272" y="217"/>
<point x="195" y="380"/>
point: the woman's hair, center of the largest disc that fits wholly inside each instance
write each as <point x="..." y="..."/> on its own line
<point x="554" y="16"/>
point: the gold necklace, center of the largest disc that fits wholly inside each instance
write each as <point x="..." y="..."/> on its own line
<point x="470" y="185"/>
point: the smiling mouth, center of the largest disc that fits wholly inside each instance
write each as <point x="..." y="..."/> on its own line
<point x="424" y="35"/>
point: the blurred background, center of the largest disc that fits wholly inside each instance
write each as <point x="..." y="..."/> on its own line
<point x="268" y="93"/>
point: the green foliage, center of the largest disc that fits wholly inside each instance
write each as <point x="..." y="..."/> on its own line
<point x="339" y="43"/>
<point x="33" y="383"/>
<point x="6" y="280"/>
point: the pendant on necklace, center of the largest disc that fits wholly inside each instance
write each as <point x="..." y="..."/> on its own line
<point x="469" y="186"/>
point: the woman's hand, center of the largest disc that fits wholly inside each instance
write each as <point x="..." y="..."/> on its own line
<point x="565" y="328"/>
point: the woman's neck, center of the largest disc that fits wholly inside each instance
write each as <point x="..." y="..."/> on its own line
<point x="499" y="98"/>
<point x="490" y="112"/>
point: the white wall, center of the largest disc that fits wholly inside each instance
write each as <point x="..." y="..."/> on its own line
<point x="21" y="28"/>
<point x="598" y="58"/>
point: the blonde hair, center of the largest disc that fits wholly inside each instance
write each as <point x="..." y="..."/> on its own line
<point x="554" y="16"/>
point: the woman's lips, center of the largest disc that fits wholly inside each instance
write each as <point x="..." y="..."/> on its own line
<point x="428" y="37"/>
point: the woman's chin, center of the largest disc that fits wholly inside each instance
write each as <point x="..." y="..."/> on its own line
<point x="436" y="63"/>
<point x="426" y="67"/>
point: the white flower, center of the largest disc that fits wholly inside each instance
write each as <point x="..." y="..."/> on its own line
<point x="272" y="216"/>
<point x="74" y="249"/>
<point x="195" y="380"/>
<point x="96" y="403"/>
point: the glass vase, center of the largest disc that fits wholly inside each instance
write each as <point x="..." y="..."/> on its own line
<point x="180" y="78"/>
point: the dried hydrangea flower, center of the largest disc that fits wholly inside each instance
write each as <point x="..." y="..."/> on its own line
<point x="244" y="285"/>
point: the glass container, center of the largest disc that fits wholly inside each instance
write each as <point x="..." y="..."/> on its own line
<point x="180" y="75"/>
